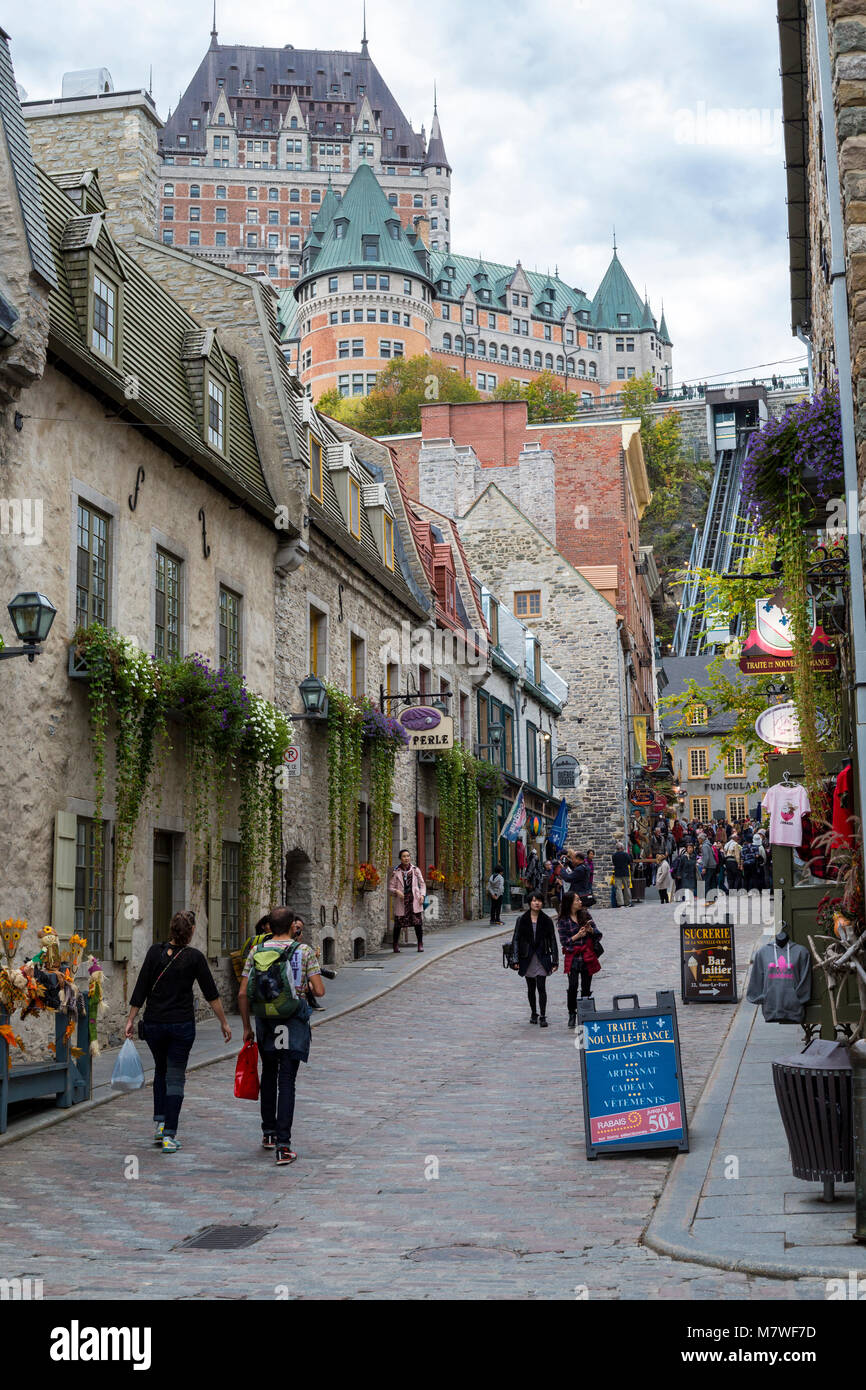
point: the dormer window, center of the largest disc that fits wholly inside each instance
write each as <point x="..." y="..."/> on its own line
<point x="293" y="123"/>
<point x="316" y="469"/>
<point x="388" y="539"/>
<point x="104" y="321"/>
<point x="355" y="508"/>
<point x="340" y="225"/>
<point x="216" y="414"/>
<point x="221" y="118"/>
<point x="366" y="125"/>
<point x="371" y="248"/>
<point x="624" y="320"/>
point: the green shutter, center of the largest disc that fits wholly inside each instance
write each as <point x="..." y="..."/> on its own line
<point x="127" y="911"/>
<point x="215" y="903"/>
<point x="63" y="898"/>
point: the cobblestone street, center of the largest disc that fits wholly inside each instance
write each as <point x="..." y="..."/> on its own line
<point x="444" y="1070"/>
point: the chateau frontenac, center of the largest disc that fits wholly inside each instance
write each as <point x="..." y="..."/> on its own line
<point x="263" y="149"/>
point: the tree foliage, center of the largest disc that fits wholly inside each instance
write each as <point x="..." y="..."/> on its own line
<point x="394" y="406"/>
<point x="660" y="435"/>
<point x="546" y="398"/>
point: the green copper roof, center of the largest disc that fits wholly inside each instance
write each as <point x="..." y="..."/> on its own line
<point x="363" y="212"/>
<point x="663" y="330"/>
<point x="322" y="219"/>
<point x="616" y="295"/>
<point x="499" y="277"/>
<point x="647" y="320"/>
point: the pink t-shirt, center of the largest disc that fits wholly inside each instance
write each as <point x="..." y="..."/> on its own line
<point x="787" y="807"/>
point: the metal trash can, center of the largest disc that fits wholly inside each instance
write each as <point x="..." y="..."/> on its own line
<point x="815" y="1097"/>
<point x="638" y="888"/>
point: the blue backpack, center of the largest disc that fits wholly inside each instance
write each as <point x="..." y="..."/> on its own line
<point x="749" y="853"/>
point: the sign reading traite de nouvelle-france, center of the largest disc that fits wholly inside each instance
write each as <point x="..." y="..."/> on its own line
<point x="632" y="1076"/>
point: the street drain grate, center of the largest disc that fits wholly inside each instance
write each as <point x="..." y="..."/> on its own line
<point x="224" y="1238"/>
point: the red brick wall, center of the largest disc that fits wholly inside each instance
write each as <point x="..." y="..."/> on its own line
<point x="590" y="472"/>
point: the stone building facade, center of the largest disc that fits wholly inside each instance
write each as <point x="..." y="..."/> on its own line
<point x="112" y="438"/>
<point x="582" y="484"/>
<point x="273" y="515"/>
<point x="581" y="635"/>
<point x="712" y="787"/>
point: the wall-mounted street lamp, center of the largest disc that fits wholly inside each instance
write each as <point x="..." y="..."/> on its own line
<point x="776" y="692"/>
<point x="32" y="615"/>
<point x="494" y="733"/>
<point x="315" y="698"/>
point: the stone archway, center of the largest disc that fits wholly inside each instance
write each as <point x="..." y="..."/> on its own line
<point x="299" y="888"/>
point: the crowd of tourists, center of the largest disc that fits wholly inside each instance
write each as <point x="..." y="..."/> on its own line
<point x="725" y="856"/>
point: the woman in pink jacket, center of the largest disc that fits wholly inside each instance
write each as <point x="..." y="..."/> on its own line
<point x="409" y="890"/>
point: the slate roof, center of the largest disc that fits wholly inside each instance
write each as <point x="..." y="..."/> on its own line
<point x="363" y="211"/>
<point x="24" y="170"/>
<point x="436" y="148"/>
<point x="304" y="68"/>
<point x="616" y="295"/>
<point x="679" y="671"/>
<point x="156" y="335"/>
<point x="468" y="268"/>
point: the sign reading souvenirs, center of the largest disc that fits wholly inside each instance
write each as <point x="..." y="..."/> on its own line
<point x="632" y="1077"/>
<point x="566" y="772"/>
<point x="708" y="963"/>
<point x="767" y="650"/>
<point x="428" y="730"/>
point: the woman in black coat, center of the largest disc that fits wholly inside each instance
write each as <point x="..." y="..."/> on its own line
<point x="535" y="954"/>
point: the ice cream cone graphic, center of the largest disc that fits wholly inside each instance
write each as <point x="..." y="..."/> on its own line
<point x="694" y="966"/>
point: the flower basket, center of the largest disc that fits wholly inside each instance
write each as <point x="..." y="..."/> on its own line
<point x="367" y="878"/>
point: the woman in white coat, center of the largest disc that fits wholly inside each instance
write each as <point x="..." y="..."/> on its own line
<point x="664" y="879"/>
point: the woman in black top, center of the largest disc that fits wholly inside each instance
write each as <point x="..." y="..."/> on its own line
<point x="535" y="954"/>
<point x="165" y="980"/>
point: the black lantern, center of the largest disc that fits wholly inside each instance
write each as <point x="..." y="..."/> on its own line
<point x="32" y="615"/>
<point x="439" y="704"/>
<point x="315" y="698"/>
<point x="494" y="733"/>
<point x="776" y="692"/>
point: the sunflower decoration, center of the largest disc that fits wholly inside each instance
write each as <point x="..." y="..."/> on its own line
<point x="77" y="947"/>
<point x="11" y="932"/>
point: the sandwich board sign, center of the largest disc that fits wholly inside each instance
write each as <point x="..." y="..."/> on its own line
<point x="708" y="961"/>
<point x="631" y="1075"/>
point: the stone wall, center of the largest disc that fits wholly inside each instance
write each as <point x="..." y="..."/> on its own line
<point x="68" y="449"/>
<point x="116" y="135"/>
<point x="579" y="634"/>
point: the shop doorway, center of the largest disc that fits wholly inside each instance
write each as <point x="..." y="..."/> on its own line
<point x="298" y="894"/>
<point x="163" y="906"/>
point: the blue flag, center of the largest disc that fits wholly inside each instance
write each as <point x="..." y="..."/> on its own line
<point x="516" y="819"/>
<point x="558" y="832"/>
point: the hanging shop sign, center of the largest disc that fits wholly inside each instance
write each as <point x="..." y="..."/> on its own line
<point x="653" y="755"/>
<point x="428" y="729"/>
<point x="708" y="963"/>
<point x="567" y="772"/>
<point x="632" y="1076"/>
<point x="767" y="650"/>
<point x="660" y="804"/>
<point x="641" y="795"/>
<point x="779" y="726"/>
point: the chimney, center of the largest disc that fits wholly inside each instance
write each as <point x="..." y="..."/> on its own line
<point x="114" y="133"/>
<point x="422" y="228"/>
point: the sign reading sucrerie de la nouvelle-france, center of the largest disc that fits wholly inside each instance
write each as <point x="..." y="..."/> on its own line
<point x="632" y="1076"/>
<point x="708" y="960"/>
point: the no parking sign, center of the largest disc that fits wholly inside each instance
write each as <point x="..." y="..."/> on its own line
<point x="292" y="760"/>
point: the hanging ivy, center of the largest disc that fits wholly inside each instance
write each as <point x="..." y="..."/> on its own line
<point x="385" y="737"/>
<point x="345" y="752"/>
<point x="458" y="811"/>
<point x="794" y="555"/>
<point x="230" y="733"/>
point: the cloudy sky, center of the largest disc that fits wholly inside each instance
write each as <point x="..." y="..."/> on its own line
<point x="561" y="118"/>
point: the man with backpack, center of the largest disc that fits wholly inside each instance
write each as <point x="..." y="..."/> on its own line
<point x="279" y="972"/>
<point x="752" y="868"/>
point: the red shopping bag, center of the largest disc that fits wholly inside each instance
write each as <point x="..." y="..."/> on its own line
<point x="247" y="1073"/>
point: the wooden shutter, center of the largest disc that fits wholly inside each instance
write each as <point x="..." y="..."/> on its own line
<point x="127" y="910"/>
<point x="215" y="902"/>
<point x="63" y="897"/>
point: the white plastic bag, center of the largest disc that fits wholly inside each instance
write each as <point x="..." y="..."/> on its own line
<point x="128" y="1072"/>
